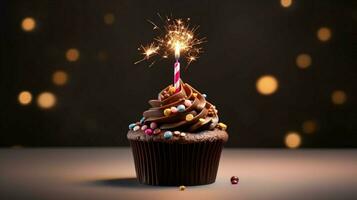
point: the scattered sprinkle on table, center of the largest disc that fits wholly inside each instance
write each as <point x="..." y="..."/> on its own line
<point x="234" y="180"/>
<point x="182" y="187"/>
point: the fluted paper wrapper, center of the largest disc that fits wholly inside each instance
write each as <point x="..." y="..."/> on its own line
<point x="161" y="163"/>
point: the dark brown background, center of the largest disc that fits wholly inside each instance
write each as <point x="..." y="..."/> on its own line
<point x="246" y="39"/>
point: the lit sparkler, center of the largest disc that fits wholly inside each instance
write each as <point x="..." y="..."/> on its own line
<point x="176" y="37"/>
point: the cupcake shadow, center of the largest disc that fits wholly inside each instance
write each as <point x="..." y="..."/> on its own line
<point x="126" y="182"/>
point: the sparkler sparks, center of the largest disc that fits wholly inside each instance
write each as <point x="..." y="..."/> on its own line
<point x="148" y="51"/>
<point x="176" y="37"/>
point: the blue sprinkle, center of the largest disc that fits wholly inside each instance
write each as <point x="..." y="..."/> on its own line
<point x="204" y="95"/>
<point x="131" y="126"/>
<point x="181" y="108"/>
<point x="168" y="135"/>
<point x="142" y="120"/>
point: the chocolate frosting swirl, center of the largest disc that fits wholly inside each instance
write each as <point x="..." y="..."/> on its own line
<point x="205" y="114"/>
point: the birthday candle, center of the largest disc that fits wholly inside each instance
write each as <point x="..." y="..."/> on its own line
<point x="177" y="75"/>
<point x="177" y="66"/>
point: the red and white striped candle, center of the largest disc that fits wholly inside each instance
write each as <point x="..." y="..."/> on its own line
<point x="177" y="75"/>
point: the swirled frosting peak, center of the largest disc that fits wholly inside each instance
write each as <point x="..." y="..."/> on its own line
<point x="185" y="110"/>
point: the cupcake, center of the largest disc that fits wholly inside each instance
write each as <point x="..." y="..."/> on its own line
<point x="179" y="139"/>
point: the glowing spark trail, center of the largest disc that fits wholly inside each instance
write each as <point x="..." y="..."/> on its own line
<point x="148" y="51"/>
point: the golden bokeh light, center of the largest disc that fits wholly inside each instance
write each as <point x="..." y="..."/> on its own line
<point x="46" y="100"/>
<point x="292" y="140"/>
<point x="303" y="60"/>
<point x="109" y="18"/>
<point x="28" y="24"/>
<point x="72" y="55"/>
<point x="338" y="97"/>
<point x="267" y="84"/>
<point x="59" y="78"/>
<point x="286" y="3"/>
<point x="324" y="34"/>
<point x="24" y="97"/>
<point x="309" y="126"/>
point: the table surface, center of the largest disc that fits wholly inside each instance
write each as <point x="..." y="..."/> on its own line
<point x="108" y="173"/>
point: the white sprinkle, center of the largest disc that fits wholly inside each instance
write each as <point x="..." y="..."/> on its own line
<point x="136" y="128"/>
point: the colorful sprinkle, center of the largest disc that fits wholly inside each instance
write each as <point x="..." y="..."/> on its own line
<point x="177" y="133"/>
<point x="187" y="103"/>
<point x="182" y="188"/>
<point x="194" y="94"/>
<point x="189" y="117"/>
<point x="157" y="131"/>
<point x="144" y="127"/>
<point x="204" y="95"/>
<point x="202" y="120"/>
<point x="234" y="179"/>
<point x="222" y="126"/>
<point x="183" y="134"/>
<point x="173" y="109"/>
<point x="167" y="111"/>
<point x="181" y="108"/>
<point x="136" y="128"/>
<point x="148" y="131"/>
<point x="153" y="125"/>
<point x="168" y="135"/>
<point x="172" y="90"/>
<point x="131" y="126"/>
<point x="142" y="120"/>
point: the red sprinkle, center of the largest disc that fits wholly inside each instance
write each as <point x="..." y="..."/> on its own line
<point x="148" y="131"/>
<point x="234" y="179"/>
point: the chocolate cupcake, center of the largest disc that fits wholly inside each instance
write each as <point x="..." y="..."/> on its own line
<point x="179" y="140"/>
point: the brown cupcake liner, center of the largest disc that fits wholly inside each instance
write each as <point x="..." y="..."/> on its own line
<point x="165" y="164"/>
